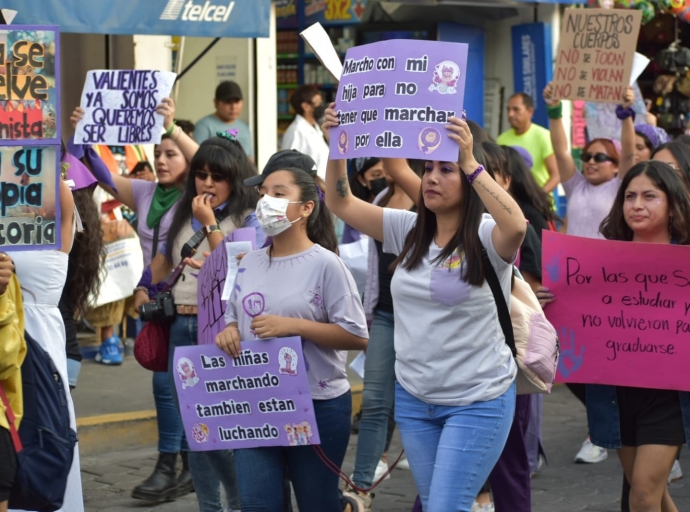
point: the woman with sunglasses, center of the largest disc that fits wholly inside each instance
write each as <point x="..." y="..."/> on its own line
<point x="590" y="196"/>
<point x="216" y="201"/>
<point x="155" y="204"/>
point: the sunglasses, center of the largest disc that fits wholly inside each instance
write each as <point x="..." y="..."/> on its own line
<point x="215" y="176"/>
<point x="599" y="158"/>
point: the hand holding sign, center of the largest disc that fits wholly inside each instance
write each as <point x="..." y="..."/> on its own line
<point x="228" y="340"/>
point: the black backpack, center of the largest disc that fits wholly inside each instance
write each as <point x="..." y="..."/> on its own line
<point x="45" y="445"/>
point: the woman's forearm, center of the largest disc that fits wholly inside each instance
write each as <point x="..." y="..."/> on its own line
<point x="328" y="335"/>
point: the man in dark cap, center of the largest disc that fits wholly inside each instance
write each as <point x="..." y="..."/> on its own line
<point x="228" y="102"/>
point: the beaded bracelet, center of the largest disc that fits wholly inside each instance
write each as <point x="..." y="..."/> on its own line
<point x="473" y="176"/>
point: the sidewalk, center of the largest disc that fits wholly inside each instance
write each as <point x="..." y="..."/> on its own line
<point x="562" y="486"/>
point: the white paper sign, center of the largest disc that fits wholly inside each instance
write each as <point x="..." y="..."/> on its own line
<point x="120" y="272"/>
<point x="357" y="364"/>
<point x="233" y="249"/>
<point x="640" y="63"/>
<point x="356" y="257"/>
<point x="121" y="106"/>
<point x="323" y="48"/>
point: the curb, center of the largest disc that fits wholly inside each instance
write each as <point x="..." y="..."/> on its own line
<point x="100" y="434"/>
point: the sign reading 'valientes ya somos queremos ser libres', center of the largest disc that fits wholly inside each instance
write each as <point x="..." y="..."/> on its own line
<point x="396" y="97"/>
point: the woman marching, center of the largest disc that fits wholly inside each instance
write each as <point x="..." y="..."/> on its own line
<point x="455" y="397"/>
<point x="307" y="292"/>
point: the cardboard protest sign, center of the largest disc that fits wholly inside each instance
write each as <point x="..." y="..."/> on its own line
<point x="596" y="54"/>
<point x="29" y="206"/>
<point x="622" y="311"/>
<point x="261" y="398"/>
<point x="395" y="97"/>
<point x="121" y="106"/>
<point x="29" y="85"/>
<point x="211" y="285"/>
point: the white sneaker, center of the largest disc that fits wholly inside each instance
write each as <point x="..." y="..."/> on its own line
<point x="403" y="464"/>
<point x="676" y="472"/>
<point x="381" y="469"/>
<point x="590" y="453"/>
<point x="484" y="507"/>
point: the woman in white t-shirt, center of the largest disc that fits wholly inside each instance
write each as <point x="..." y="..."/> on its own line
<point x="455" y="390"/>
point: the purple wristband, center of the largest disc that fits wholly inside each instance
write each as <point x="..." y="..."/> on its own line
<point x="623" y="113"/>
<point x="473" y="176"/>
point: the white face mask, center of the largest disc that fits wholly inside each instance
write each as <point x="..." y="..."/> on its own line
<point x="271" y="212"/>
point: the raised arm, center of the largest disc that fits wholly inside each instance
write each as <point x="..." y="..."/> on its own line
<point x="122" y="191"/>
<point x="511" y="224"/>
<point x="564" y="160"/>
<point x="403" y="176"/>
<point x="66" y="216"/>
<point x="187" y="145"/>
<point x="362" y="216"/>
<point x="627" y="133"/>
<point x="554" y="175"/>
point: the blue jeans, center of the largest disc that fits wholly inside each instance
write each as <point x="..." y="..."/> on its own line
<point x="171" y="438"/>
<point x="377" y="398"/>
<point x="208" y="469"/>
<point x="260" y="471"/>
<point x="452" y="450"/>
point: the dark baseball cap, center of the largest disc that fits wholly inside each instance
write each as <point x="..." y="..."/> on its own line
<point x="228" y="91"/>
<point x="286" y="160"/>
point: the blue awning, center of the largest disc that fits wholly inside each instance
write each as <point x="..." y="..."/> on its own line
<point x="200" y="18"/>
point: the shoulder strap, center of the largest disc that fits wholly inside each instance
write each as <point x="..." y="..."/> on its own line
<point x="501" y="305"/>
<point x="16" y="441"/>
<point x="156" y="233"/>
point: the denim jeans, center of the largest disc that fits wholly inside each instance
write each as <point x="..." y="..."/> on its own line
<point x="452" y="450"/>
<point x="377" y="398"/>
<point x="171" y="438"/>
<point x="208" y="469"/>
<point x="260" y="471"/>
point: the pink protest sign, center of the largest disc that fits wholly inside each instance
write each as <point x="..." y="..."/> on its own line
<point x="211" y="283"/>
<point x="622" y="311"/>
<point x="261" y="398"/>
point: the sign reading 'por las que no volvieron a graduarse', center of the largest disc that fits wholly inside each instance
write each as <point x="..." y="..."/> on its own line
<point x="622" y="311"/>
<point x="395" y="97"/>
<point x="260" y="398"/>
<point x="29" y="137"/>
<point x="596" y="54"/>
<point x="120" y="106"/>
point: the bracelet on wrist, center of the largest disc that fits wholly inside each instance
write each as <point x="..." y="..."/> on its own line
<point x="176" y="133"/>
<point x="171" y="129"/>
<point x="141" y="289"/>
<point x="623" y="113"/>
<point x="555" y="111"/>
<point x="473" y="176"/>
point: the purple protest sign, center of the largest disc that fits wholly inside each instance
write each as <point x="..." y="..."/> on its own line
<point x="261" y="398"/>
<point x="211" y="283"/>
<point x="395" y="97"/>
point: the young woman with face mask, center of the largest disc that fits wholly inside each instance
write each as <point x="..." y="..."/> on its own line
<point x="308" y="292"/>
<point x="155" y="204"/>
<point x="445" y="379"/>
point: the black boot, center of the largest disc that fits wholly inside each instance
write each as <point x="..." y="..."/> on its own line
<point x="162" y="484"/>
<point x="184" y="479"/>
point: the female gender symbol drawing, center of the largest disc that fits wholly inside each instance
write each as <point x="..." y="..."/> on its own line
<point x="254" y="304"/>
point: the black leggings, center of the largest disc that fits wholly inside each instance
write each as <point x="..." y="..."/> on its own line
<point x="580" y="391"/>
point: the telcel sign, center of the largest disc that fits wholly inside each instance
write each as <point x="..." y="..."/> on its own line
<point x="195" y="12"/>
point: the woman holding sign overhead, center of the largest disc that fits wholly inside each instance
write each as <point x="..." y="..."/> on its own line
<point x="455" y="390"/>
<point x="303" y="289"/>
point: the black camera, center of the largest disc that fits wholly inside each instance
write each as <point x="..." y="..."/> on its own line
<point x="162" y="307"/>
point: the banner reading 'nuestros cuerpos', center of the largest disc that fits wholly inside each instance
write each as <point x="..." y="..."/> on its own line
<point x="395" y="98"/>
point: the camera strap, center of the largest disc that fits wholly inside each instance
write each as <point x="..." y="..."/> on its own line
<point x="189" y="250"/>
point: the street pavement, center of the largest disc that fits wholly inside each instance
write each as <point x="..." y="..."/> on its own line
<point x="561" y="486"/>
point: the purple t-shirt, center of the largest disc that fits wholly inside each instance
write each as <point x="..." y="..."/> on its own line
<point x="314" y="285"/>
<point x="588" y="204"/>
<point x="143" y="196"/>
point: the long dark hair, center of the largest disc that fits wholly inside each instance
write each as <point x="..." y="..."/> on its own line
<point x="87" y="254"/>
<point x="320" y="229"/>
<point x="681" y="152"/>
<point x="666" y="179"/>
<point x="466" y="237"/>
<point x="524" y="188"/>
<point x="227" y="158"/>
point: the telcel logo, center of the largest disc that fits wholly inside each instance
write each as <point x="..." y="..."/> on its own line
<point x="194" y="12"/>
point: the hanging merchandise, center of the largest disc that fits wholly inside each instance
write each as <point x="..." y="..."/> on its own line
<point x="647" y="8"/>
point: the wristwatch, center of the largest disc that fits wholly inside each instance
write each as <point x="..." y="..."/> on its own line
<point x="210" y="229"/>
